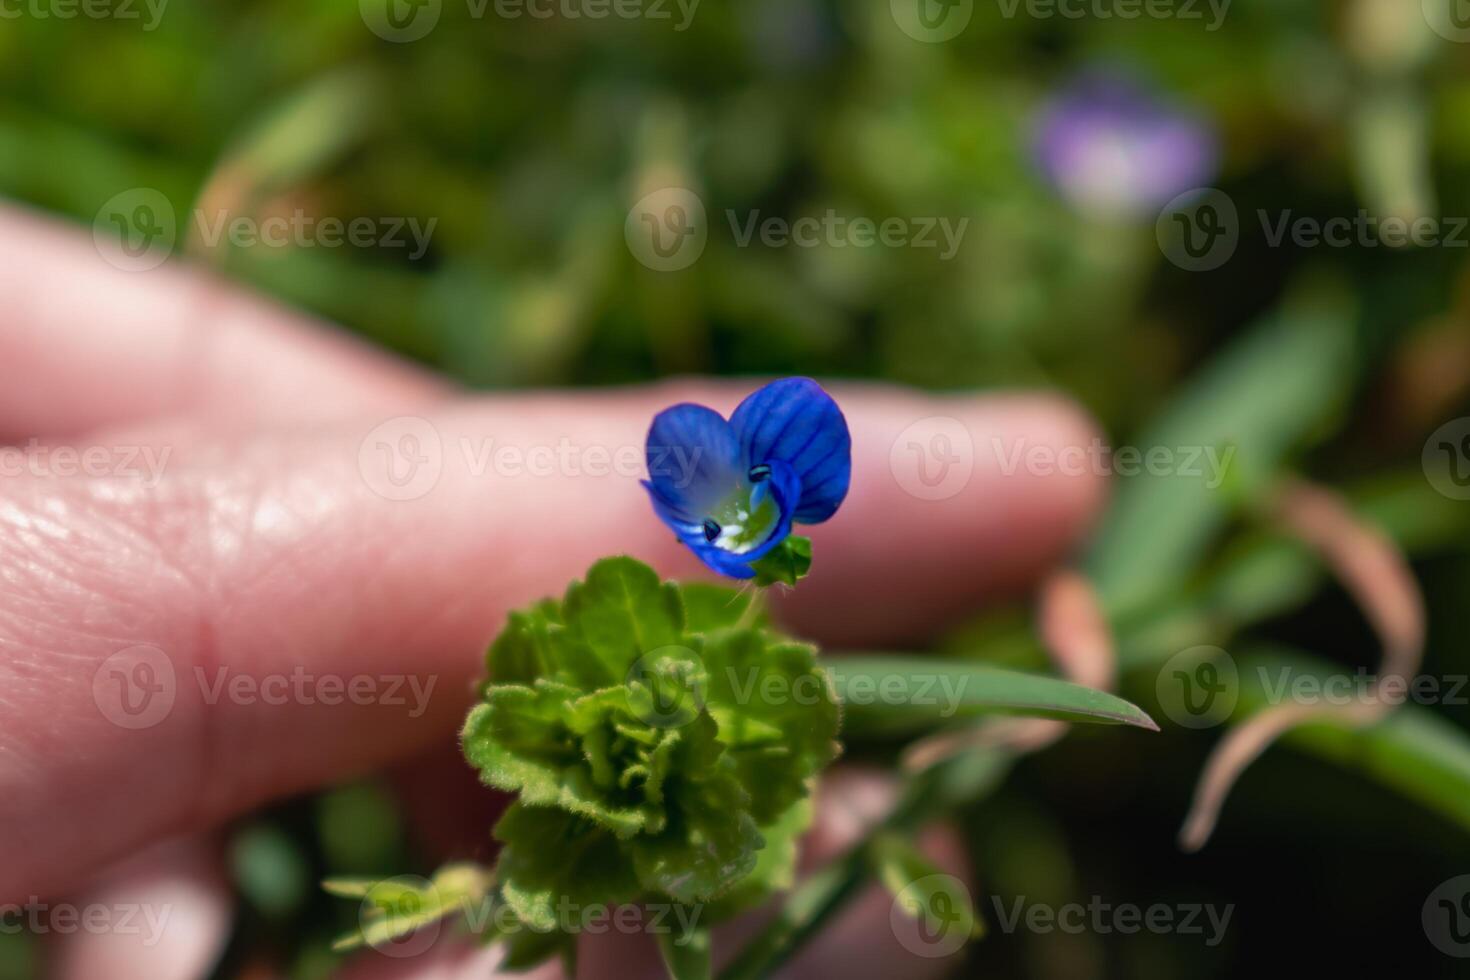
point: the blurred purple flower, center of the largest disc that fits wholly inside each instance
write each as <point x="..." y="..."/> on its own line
<point x="1112" y="146"/>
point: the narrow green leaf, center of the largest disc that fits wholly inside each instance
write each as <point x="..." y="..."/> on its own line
<point x="921" y="889"/>
<point x="686" y="955"/>
<point x="1263" y="397"/>
<point x="1412" y="751"/>
<point x="396" y="907"/>
<point x="897" y="694"/>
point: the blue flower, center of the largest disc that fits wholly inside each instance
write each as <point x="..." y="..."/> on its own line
<point x="731" y="490"/>
<point x="1113" y="146"/>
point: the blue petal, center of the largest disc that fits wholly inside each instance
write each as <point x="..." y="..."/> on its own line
<point x="693" y="462"/>
<point x="796" y="422"/>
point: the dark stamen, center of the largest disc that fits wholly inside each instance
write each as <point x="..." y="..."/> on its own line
<point x="711" y="530"/>
<point x="759" y="473"/>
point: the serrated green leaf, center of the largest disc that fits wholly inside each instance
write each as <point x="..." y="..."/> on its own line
<point x="621" y="612"/>
<point x="775" y="864"/>
<point x="711" y="841"/>
<point x="758" y="687"/>
<point x="896" y="694"/>
<point x="552" y="860"/>
<point x="530" y="647"/>
<point x="523" y="740"/>
<point x="787" y="563"/>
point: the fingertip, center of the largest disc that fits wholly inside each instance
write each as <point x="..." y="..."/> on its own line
<point x="954" y="500"/>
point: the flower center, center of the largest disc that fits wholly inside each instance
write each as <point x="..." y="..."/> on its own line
<point x="746" y="518"/>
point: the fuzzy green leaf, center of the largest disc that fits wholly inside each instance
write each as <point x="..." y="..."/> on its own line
<point x="710" y="840"/>
<point x="553" y="860"/>
<point x="621" y="612"/>
<point x="777" y="712"/>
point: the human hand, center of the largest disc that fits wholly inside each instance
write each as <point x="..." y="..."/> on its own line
<point x="238" y="521"/>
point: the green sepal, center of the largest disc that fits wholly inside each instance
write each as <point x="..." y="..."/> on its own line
<point x="787" y="563"/>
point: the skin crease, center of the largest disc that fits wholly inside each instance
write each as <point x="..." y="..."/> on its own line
<point x="264" y="549"/>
